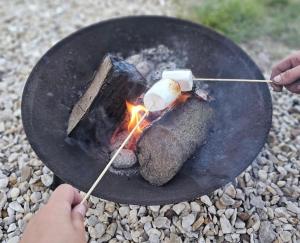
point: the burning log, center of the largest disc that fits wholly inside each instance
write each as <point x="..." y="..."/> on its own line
<point x="170" y="141"/>
<point x="115" y="82"/>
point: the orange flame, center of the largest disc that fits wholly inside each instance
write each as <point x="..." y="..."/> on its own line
<point x="135" y="113"/>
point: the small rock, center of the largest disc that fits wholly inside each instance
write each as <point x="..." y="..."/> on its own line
<point x="253" y="222"/>
<point x="266" y="233"/>
<point x="227" y="200"/>
<point x="3" y="199"/>
<point x="47" y="180"/>
<point x="14" y="239"/>
<point x="243" y="216"/>
<point x="162" y="222"/>
<point x="110" y="207"/>
<point x="170" y="213"/>
<point x="262" y="175"/>
<point x="229" y="212"/>
<point x="25" y="173"/>
<point x="257" y="202"/>
<point x="35" y="197"/>
<point x="16" y="207"/>
<point x="123" y="211"/>
<point x="175" y="238"/>
<point x="92" y="220"/>
<point x="178" y="208"/>
<point x="104" y="238"/>
<point x="111" y="229"/>
<point x="212" y="210"/>
<point x="99" y="230"/>
<point x="11" y="228"/>
<point x="125" y="159"/>
<point x="239" y="224"/>
<point x="230" y="191"/>
<point x="3" y="181"/>
<point x="154" y="208"/>
<point x="195" y="207"/>
<point x="14" y="192"/>
<point x="225" y="225"/>
<point x="286" y="236"/>
<point x="205" y="199"/>
<point x="197" y="224"/>
<point x="292" y="207"/>
<point x="187" y="221"/>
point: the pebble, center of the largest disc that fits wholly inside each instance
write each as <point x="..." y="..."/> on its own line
<point x="99" y="230"/>
<point x="225" y="225"/>
<point x="3" y="181"/>
<point x="206" y="200"/>
<point x="195" y="207"/>
<point x="263" y="175"/>
<point x="187" y="221"/>
<point x="162" y="222"/>
<point x="154" y="208"/>
<point x="227" y="200"/>
<point x="178" y="208"/>
<point x="197" y="224"/>
<point x="230" y="190"/>
<point x="123" y="211"/>
<point x="257" y="202"/>
<point x="111" y="229"/>
<point x="16" y="207"/>
<point x="35" y="197"/>
<point x="47" y="180"/>
<point x="3" y="199"/>
<point x="292" y="207"/>
<point x="92" y="220"/>
<point x="125" y="159"/>
<point x="14" y="239"/>
<point x="14" y="192"/>
<point x="286" y="236"/>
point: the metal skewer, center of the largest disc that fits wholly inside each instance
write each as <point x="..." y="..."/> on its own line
<point x="233" y="80"/>
<point x="113" y="158"/>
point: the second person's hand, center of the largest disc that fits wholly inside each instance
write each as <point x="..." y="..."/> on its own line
<point x="287" y="74"/>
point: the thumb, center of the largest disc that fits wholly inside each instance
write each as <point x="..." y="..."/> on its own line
<point x="78" y="213"/>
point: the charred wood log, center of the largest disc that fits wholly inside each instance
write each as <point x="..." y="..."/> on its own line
<point x="169" y="142"/>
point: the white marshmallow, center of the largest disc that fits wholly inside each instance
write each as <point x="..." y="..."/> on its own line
<point x="183" y="76"/>
<point x="162" y="94"/>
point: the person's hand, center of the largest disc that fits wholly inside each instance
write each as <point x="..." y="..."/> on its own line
<point x="59" y="221"/>
<point x="287" y="73"/>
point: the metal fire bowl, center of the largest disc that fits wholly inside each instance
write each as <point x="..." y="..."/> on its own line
<point x="243" y="110"/>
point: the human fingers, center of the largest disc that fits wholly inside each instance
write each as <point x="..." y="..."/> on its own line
<point x="291" y="61"/>
<point x="287" y="77"/>
<point x="276" y="88"/>
<point x="78" y="213"/>
<point x="65" y="194"/>
<point x="294" y="87"/>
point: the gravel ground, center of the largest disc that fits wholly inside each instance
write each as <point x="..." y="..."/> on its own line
<point x="261" y="206"/>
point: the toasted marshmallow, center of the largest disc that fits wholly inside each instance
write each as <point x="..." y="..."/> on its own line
<point x="162" y="94"/>
<point x="183" y="76"/>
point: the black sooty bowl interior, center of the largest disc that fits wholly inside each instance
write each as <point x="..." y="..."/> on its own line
<point x="243" y="110"/>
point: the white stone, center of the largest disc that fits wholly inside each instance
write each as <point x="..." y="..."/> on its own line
<point x="225" y="225"/>
<point x="16" y="207"/>
<point x="47" y="179"/>
<point x="154" y="208"/>
<point x="14" y="239"/>
<point x="205" y="199"/>
<point x="123" y="211"/>
<point x="162" y="222"/>
<point x="195" y="207"/>
<point x="14" y="192"/>
<point x="187" y="221"/>
<point x="178" y="208"/>
<point x="3" y="181"/>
